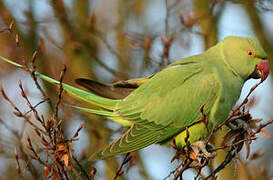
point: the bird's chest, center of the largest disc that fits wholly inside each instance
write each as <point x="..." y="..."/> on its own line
<point x="228" y="96"/>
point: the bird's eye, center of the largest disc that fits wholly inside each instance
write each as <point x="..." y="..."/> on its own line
<point x="250" y="53"/>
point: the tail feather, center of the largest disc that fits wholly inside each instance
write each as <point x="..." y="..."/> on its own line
<point x="97" y="111"/>
<point x="105" y="90"/>
<point x="82" y="94"/>
<point x="86" y="96"/>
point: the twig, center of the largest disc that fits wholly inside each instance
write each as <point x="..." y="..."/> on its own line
<point x="166" y="18"/>
<point x="119" y="171"/>
<point x="81" y="168"/>
<point x="18" y="168"/>
<point x="55" y="117"/>
<point x="35" y="106"/>
<point x="93" y="173"/>
<point x="231" y="154"/>
<point x="14" y="132"/>
<point x="23" y="94"/>
<point x="179" y="174"/>
<point x="17" y="112"/>
<point x="34" y="77"/>
<point x="108" y="46"/>
<point x="30" y="147"/>
<point x="60" y="93"/>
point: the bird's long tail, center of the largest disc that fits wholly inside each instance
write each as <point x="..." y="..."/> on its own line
<point x="106" y="105"/>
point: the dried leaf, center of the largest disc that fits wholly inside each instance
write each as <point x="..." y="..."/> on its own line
<point x="147" y="44"/>
<point x="61" y="147"/>
<point x="66" y="159"/>
<point x="193" y="156"/>
<point x="265" y="133"/>
<point x="75" y="139"/>
<point x="229" y="136"/>
<point x="247" y="143"/>
<point x="240" y="145"/>
<point x="256" y="155"/>
<point x="46" y="172"/>
<point x="93" y="173"/>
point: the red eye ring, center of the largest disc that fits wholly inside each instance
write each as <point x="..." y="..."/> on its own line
<point x="250" y="53"/>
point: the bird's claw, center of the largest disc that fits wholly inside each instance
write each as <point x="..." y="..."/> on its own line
<point x="201" y="152"/>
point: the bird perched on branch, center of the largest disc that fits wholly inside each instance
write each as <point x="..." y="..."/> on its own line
<point x="160" y="108"/>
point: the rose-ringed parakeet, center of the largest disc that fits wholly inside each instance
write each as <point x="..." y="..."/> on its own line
<point x="159" y="108"/>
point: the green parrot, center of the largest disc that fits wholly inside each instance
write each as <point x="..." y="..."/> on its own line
<point x="159" y="108"/>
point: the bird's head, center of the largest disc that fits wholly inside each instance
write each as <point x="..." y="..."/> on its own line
<point x="246" y="57"/>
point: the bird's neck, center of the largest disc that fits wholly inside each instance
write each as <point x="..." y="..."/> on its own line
<point x="217" y="58"/>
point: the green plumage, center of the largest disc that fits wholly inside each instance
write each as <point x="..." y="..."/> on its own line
<point x="160" y="107"/>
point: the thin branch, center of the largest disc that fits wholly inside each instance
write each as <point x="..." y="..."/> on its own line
<point x="34" y="77"/>
<point x="81" y="168"/>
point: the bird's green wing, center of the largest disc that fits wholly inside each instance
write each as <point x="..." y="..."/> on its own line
<point x="164" y="106"/>
<point x="133" y="139"/>
<point x="173" y="96"/>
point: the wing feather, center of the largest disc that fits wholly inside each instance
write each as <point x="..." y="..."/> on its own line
<point x="164" y="106"/>
<point x="133" y="139"/>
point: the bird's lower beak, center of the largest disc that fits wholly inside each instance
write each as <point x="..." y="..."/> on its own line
<point x="261" y="70"/>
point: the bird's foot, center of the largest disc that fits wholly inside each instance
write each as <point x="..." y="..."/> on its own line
<point x="200" y="152"/>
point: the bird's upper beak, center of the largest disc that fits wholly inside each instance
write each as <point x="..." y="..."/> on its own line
<point x="261" y="70"/>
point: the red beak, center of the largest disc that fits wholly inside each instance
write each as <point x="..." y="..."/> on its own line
<point x="263" y="69"/>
